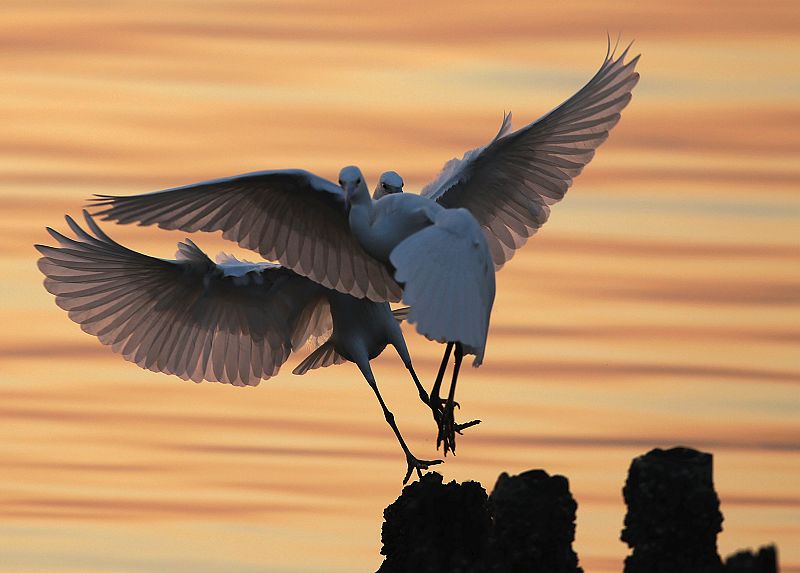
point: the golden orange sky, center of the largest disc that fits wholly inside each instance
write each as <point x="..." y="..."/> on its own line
<point x="660" y="305"/>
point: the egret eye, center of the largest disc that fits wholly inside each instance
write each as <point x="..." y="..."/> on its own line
<point x="383" y="185"/>
<point x="358" y="181"/>
<point x="340" y="182"/>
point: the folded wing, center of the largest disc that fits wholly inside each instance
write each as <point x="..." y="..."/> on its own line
<point x="510" y="184"/>
<point x="449" y="281"/>
<point x="189" y="317"/>
<point x="290" y="216"/>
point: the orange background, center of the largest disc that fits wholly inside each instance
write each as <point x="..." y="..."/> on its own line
<point x="659" y="306"/>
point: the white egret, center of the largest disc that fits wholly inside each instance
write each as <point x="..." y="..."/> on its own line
<point x="443" y="246"/>
<point x="233" y="322"/>
<point x="390" y="182"/>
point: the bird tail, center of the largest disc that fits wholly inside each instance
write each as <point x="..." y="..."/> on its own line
<point x="323" y="356"/>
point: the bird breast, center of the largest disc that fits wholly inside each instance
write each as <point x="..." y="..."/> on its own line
<point x="394" y="218"/>
<point x="359" y="323"/>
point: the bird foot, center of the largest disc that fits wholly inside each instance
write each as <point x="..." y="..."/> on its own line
<point x="417" y="465"/>
<point x="448" y="428"/>
<point x="438" y="404"/>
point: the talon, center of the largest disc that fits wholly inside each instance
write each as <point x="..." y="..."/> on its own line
<point x="448" y="428"/>
<point x="438" y="404"/>
<point x="466" y="425"/>
<point x="417" y="465"/>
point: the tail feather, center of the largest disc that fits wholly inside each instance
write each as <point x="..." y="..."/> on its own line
<point x="322" y="357"/>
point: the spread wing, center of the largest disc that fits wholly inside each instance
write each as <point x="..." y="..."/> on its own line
<point x="510" y="184"/>
<point x="290" y="216"/>
<point x="190" y="317"/>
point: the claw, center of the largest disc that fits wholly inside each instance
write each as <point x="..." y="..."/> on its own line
<point x="448" y="428"/>
<point x="417" y="465"/>
<point x="443" y="402"/>
<point x="466" y="425"/>
<point x="439" y="409"/>
<point x="446" y="437"/>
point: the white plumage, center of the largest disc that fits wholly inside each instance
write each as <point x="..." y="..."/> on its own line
<point x="232" y="321"/>
<point x="451" y="288"/>
<point x="438" y="251"/>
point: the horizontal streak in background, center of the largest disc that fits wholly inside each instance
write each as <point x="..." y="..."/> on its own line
<point x="781" y="443"/>
<point x="659" y="306"/>
<point x="513" y="368"/>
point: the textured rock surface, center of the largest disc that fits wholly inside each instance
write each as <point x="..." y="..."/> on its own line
<point x="435" y="527"/>
<point x="534" y="525"/>
<point x="673" y="513"/>
<point x="528" y="524"/>
<point x="763" y="561"/>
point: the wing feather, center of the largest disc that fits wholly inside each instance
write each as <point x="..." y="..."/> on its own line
<point x="232" y="322"/>
<point x="509" y="184"/>
<point x="291" y="216"/>
<point x="449" y="280"/>
<point x="322" y="357"/>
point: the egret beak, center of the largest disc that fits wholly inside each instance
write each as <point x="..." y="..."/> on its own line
<point x="349" y="189"/>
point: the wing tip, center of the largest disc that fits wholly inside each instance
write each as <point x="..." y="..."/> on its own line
<point x="612" y="58"/>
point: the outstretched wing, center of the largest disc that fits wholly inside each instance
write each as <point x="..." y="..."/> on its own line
<point x="189" y="317"/>
<point x="449" y="280"/>
<point x="510" y="184"/>
<point x="291" y="216"/>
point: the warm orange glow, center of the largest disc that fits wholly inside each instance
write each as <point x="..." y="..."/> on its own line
<point x="660" y="305"/>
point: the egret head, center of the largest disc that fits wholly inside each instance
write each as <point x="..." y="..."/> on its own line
<point x="352" y="183"/>
<point x="390" y="183"/>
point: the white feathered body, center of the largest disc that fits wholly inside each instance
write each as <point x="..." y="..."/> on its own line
<point x="441" y="258"/>
<point x="361" y="326"/>
<point x="379" y="226"/>
<point x="449" y="280"/>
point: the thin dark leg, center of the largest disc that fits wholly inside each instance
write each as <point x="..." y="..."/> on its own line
<point x="448" y="428"/>
<point x="396" y="339"/>
<point x="423" y="395"/>
<point x="456" y="368"/>
<point x="412" y="461"/>
<point x="447" y="425"/>
<point x="435" y="399"/>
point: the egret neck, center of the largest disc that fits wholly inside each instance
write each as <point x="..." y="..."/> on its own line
<point x="361" y="211"/>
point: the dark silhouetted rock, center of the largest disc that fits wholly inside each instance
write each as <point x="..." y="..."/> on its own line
<point x="534" y="525"/>
<point x="765" y="561"/>
<point x="435" y="527"/>
<point x="673" y="513"/>
<point x="527" y="525"/>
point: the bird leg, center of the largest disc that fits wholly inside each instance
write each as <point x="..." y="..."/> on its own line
<point x="443" y="412"/>
<point x="423" y="395"/>
<point x="399" y="344"/>
<point x="414" y="464"/>
<point x="447" y="435"/>
<point x="435" y="401"/>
